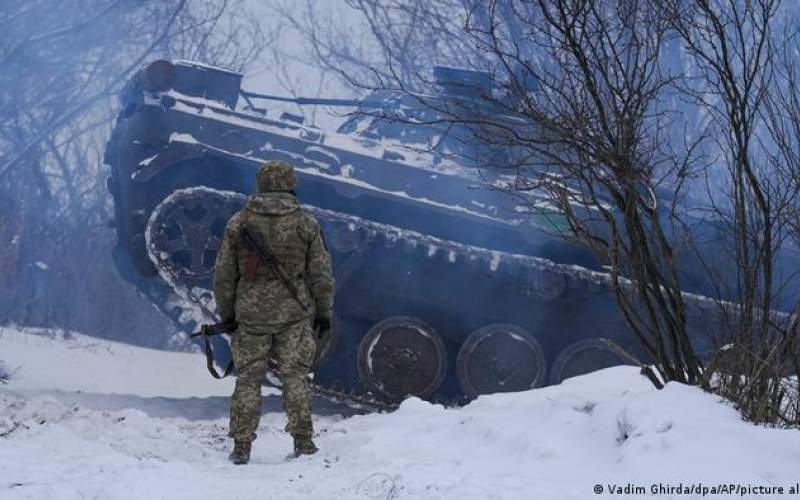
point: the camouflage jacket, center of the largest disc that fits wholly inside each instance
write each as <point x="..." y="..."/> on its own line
<point x="247" y="291"/>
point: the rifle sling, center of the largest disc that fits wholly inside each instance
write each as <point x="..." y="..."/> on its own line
<point x="269" y="260"/>
<point x="205" y="333"/>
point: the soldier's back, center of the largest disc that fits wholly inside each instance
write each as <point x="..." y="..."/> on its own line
<point x="286" y="231"/>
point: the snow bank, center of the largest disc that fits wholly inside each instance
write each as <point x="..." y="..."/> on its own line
<point x="68" y="361"/>
<point x="607" y="428"/>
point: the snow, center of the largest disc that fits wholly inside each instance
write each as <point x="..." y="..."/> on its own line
<point x="148" y="160"/>
<point x="203" y="65"/>
<point x="320" y="160"/>
<point x="96" y="419"/>
<point x="399" y="193"/>
<point x="367" y="148"/>
<point x="179" y="137"/>
<point x="495" y="262"/>
<point x="74" y="362"/>
<point x="317" y="172"/>
<point x="330" y="157"/>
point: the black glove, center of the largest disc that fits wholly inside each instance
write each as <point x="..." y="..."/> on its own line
<point x="323" y="326"/>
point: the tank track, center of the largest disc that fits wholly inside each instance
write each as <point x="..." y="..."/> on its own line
<point x="493" y="261"/>
<point x="174" y="307"/>
<point x="199" y="306"/>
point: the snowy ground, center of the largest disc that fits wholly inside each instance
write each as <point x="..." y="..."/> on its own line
<point x="89" y="419"/>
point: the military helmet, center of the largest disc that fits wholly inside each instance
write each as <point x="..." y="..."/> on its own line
<point x="276" y="175"/>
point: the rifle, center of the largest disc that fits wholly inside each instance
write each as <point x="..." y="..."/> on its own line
<point x="253" y="240"/>
<point x="217" y="329"/>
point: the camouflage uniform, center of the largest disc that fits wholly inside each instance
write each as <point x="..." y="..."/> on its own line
<point x="271" y="323"/>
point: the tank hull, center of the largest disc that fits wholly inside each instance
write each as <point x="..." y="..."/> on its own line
<point x="446" y="286"/>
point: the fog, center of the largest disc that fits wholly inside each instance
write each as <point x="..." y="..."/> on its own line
<point x="62" y="65"/>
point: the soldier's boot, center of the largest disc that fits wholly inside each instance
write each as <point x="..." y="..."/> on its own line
<point x="303" y="445"/>
<point x="241" y="452"/>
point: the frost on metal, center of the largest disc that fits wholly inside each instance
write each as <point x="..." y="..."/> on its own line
<point x="178" y="137"/>
<point x="495" y="261"/>
<point x="147" y="161"/>
<point x="198" y="304"/>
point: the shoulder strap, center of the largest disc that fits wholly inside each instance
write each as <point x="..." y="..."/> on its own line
<point x="254" y="241"/>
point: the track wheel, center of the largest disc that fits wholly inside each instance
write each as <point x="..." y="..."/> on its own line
<point x="586" y="356"/>
<point x="402" y="356"/>
<point x="500" y="358"/>
<point x="186" y="229"/>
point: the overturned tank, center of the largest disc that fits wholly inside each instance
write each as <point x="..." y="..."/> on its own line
<point x="447" y="287"/>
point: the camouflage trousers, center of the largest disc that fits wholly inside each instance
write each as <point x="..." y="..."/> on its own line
<point x="292" y="348"/>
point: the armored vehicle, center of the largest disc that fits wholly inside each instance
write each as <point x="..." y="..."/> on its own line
<point x="447" y="287"/>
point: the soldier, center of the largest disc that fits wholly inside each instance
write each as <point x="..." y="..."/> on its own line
<point x="275" y="318"/>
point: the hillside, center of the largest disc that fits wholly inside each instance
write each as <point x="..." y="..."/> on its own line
<point x="86" y="418"/>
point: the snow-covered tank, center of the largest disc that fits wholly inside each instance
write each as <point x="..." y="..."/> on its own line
<point x="447" y="287"/>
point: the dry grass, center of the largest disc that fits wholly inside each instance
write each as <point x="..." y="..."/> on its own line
<point x="760" y="380"/>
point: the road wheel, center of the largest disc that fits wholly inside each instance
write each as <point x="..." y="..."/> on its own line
<point x="587" y="356"/>
<point x="402" y="356"/>
<point x="500" y="358"/>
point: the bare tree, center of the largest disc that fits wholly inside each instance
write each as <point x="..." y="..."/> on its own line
<point x="402" y="39"/>
<point x="57" y="53"/>
<point x="750" y="94"/>
<point x="781" y="116"/>
<point x="602" y="148"/>
<point x="61" y="65"/>
<point x="577" y="113"/>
